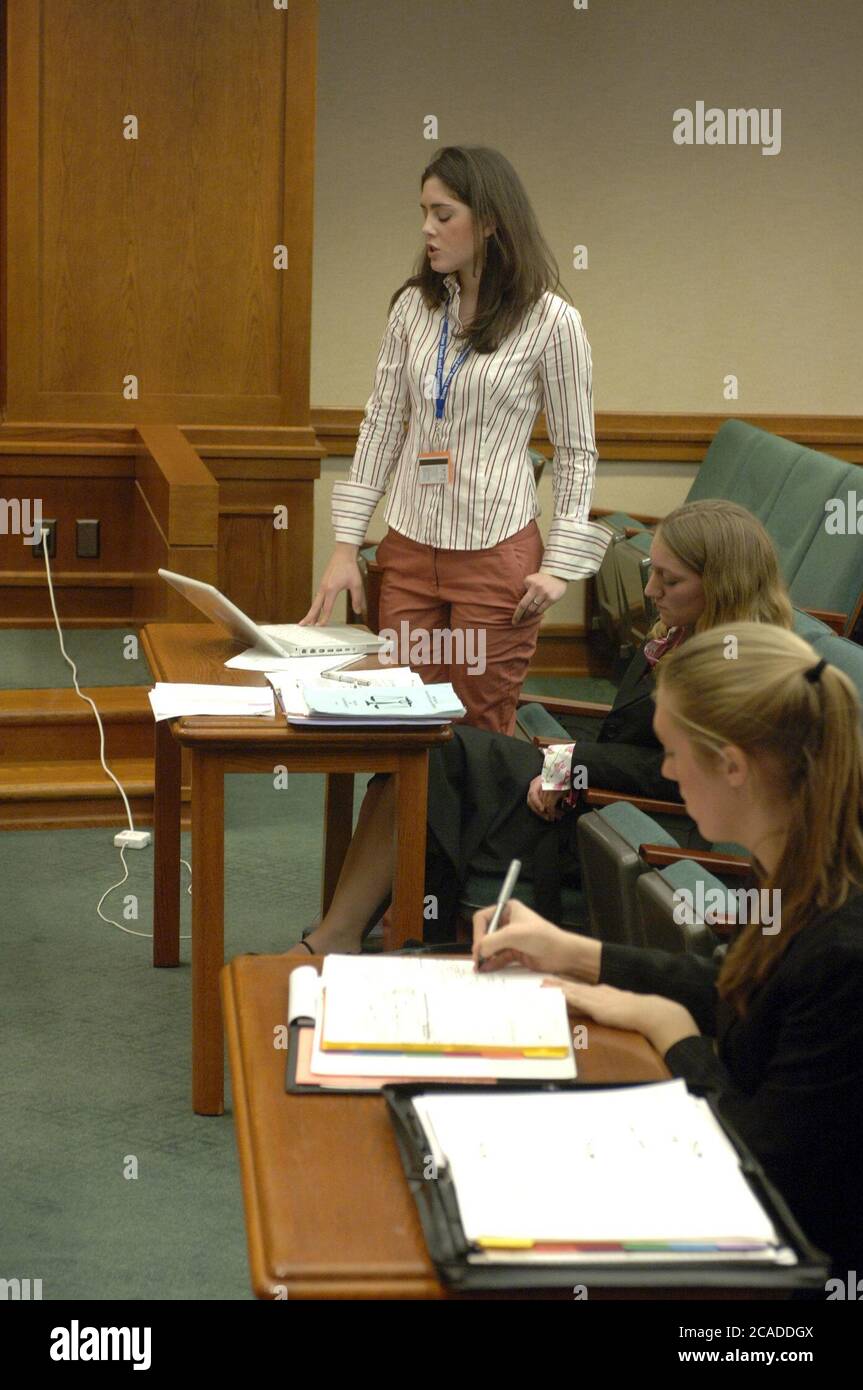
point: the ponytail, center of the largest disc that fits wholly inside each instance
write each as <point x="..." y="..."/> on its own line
<point x="800" y="717"/>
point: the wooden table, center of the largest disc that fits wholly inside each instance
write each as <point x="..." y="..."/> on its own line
<point x="196" y="653"/>
<point x="328" y="1210"/>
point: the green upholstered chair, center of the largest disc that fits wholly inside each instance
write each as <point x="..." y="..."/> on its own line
<point x="630" y="869"/>
<point x="608" y="848"/>
<point x="787" y="486"/>
<point x="659" y="908"/>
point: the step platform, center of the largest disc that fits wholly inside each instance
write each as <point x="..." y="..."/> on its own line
<point x="50" y="773"/>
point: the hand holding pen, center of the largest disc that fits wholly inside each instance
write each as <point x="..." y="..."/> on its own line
<point x="503" y="898"/>
<point x="529" y="940"/>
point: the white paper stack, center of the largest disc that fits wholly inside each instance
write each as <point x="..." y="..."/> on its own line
<point x="171" y="700"/>
<point x="425" y="1018"/>
<point x="641" y="1173"/>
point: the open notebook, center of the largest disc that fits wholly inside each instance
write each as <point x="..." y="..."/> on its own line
<point x="378" y="1020"/>
<point x="633" y="1174"/>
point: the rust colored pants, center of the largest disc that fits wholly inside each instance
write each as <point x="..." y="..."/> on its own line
<point x="451" y="613"/>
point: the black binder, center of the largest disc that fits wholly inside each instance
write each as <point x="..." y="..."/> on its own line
<point x="438" y="1211"/>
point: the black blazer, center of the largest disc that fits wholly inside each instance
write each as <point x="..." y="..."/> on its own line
<point x="626" y="755"/>
<point x="478" y="817"/>
<point x="789" y="1074"/>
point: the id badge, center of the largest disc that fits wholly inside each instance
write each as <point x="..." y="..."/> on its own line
<point x="435" y="468"/>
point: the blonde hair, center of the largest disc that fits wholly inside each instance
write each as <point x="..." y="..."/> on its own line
<point x="729" y="548"/>
<point x="754" y="693"/>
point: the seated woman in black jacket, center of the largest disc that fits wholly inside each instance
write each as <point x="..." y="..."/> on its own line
<point x="713" y="562"/>
<point x="765" y="746"/>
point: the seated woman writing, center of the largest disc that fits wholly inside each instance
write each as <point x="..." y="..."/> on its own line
<point x="765" y="748"/>
<point x="713" y="563"/>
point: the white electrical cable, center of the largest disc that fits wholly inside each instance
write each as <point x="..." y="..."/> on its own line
<point x="110" y="920"/>
<point x="148" y="936"/>
<point x="67" y="658"/>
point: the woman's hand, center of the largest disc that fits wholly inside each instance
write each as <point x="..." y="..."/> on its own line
<point x="662" y="1021"/>
<point x="544" y="803"/>
<point x="341" y="573"/>
<point x="540" y="592"/>
<point x="529" y="940"/>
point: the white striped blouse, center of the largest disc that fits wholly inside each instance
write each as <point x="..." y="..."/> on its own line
<point x="489" y="415"/>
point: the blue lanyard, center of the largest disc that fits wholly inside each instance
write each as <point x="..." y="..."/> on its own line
<point x="441" y="386"/>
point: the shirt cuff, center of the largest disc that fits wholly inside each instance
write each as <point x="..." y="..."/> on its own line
<point x="352" y="507"/>
<point x="557" y="767"/>
<point x="575" y="549"/>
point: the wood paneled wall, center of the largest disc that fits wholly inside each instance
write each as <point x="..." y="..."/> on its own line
<point x="155" y="258"/>
<point x="157" y="505"/>
<point x="203" y="502"/>
<point x="640" y="438"/>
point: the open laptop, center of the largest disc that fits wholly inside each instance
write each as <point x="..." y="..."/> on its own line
<point x="279" y="639"/>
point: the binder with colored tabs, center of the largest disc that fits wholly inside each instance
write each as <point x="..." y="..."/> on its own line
<point x="419" y="1018"/>
<point x="619" y="1185"/>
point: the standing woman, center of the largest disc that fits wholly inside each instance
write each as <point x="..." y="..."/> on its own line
<point x="477" y="341"/>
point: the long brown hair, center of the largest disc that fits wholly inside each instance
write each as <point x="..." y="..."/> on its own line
<point x="731" y="551"/>
<point x="805" y="735"/>
<point x="515" y="263"/>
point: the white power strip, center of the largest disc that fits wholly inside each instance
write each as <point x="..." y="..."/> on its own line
<point x="132" y="839"/>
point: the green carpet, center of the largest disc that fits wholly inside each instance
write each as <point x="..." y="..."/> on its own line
<point x="96" y="1057"/>
<point x="30" y="658"/>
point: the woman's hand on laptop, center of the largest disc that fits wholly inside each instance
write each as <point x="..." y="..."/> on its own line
<point x="341" y="573"/>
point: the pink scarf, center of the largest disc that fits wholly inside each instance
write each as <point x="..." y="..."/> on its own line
<point x="658" y="646"/>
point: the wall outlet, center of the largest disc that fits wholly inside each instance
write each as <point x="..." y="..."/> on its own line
<point x="87" y="540"/>
<point x="51" y="528"/>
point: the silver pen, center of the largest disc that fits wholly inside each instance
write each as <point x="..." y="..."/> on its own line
<point x="504" y="895"/>
<point x="345" y="678"/>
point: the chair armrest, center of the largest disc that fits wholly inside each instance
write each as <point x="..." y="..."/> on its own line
<point x="650" y="805"/>
<point x="557" y="704"/>
<point x="836" y="621"/>
<point x="660" y="856"/>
